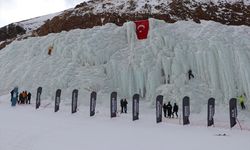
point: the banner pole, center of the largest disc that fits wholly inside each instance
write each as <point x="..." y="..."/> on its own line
<point x="180" y="120"/>
<point x="239" y="123"/>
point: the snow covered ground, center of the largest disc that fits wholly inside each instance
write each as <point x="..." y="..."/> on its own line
<point x="24" y="128"/>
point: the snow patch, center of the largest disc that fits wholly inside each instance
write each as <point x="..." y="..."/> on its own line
<point x="34" y="23"/>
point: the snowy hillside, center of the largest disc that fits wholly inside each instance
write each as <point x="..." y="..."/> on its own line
<point x="131" y="6"/>
<point x="100" y="12"/>
<point x="34" y="23"/>
<point x="110" y="58"/>
<point x="23" y="29"/>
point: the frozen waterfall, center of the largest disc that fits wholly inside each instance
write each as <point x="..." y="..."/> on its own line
<point x="110" y="58"/>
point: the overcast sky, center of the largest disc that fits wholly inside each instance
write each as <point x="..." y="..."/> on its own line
<point x="17" y="10"/>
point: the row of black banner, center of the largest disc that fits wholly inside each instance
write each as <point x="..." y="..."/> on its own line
<point x="210" y="110"/>
<point x="135" y="106"/>
<point x="58" y="99"/>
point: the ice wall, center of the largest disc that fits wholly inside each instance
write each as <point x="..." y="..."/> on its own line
<point x="217" y="54"/>
<point x="111" y="58"/>
<point x="78" y="60"/>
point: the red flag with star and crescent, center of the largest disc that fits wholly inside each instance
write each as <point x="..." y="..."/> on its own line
<point x="142" y="27"/>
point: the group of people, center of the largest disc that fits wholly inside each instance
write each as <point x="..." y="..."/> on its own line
<point x="24" y="97"/>
<point x="169" y="110"/>
<point x="123" y="104"/>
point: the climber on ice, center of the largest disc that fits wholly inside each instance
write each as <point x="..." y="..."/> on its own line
<point x="50" y="48"/>
<point x="190" y="74"/>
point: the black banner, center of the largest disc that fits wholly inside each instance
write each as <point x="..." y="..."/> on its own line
<point x="92" y="103"/>
<point x="57" y="99"/>
<point x="74" y="101"/>
<point x="186" y="110"/>
<point x="38" y="97"/>
<point x="135" y="107"/>
<point x="158" y="105"/>
<point x="210" y="111"/>
<point x="113" y="104"/>
<point x="233" y="111"/>
<point x="14" y="96"/>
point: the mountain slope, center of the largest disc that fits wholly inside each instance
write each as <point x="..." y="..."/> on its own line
<point x="99" y="12"/>
<point x="23" y="29"/>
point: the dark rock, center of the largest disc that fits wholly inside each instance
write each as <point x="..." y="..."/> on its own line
<point x="10" y="31"/>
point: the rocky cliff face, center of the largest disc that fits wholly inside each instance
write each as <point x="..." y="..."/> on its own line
<point x="99" y="12"/>
<point x="9" y="33"/>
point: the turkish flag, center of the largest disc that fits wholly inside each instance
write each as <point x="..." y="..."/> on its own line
<point x="142" y="27"/>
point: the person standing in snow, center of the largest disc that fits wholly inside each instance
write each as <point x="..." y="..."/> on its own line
<point x="175" y="110"/>
<point x="20" y="98"/>
<point x="169" y="108"/>
<point x="121" y="104"/>
<point x="190" y="74"/>
<point x="25" y="97"/>
<point x="125" y="103"/>
<point x="242" y="102"/>
<point x="29" y="97"/>
<point x="165" y="110"/>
